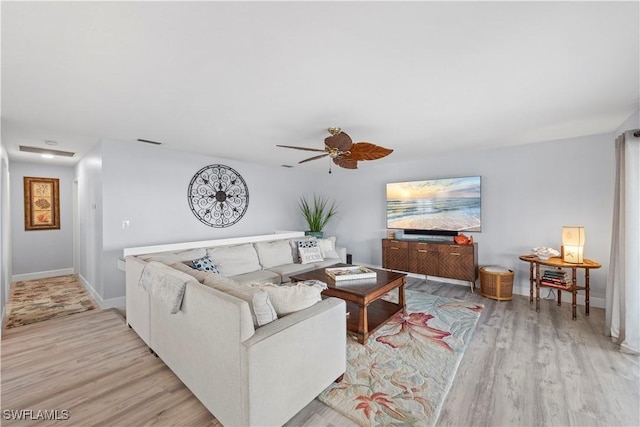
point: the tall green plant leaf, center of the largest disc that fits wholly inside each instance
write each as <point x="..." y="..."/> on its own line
<point x="318" y="212"/>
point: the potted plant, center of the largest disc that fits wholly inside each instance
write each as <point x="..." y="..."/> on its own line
<point x="317" y="213"/>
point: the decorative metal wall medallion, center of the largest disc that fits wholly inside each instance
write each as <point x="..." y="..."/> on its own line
<point x="218" y="196"/>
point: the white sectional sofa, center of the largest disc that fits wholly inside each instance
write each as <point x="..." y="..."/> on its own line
<point x="245" y="375"/>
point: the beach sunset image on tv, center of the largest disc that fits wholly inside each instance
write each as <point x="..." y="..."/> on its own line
<point x="451" y="204"/>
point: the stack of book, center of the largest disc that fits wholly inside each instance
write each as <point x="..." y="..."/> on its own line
<point x="556" y="279"/>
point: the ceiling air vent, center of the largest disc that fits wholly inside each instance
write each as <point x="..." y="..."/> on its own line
<point x="37" y="150"/>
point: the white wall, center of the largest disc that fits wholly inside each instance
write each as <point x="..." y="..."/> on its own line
<point x="89" y="182"/>
<point x="632" y="123"/>
<point x="41" y="253"/>
<point x="528" y="193"/>
<point x="5" y="230"/>
<point x="147" y="186"/>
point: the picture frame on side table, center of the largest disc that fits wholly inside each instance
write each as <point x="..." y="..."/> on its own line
<point x="41" y="203"/>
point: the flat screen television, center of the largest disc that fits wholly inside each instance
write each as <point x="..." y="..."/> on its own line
<point x="435" y="206"/>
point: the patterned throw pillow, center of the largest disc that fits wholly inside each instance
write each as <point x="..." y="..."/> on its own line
<point x="204" y="264"/>
<point x="309" y="251"/>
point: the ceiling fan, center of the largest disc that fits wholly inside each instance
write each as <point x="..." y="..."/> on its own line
<point x="344" y="153"/>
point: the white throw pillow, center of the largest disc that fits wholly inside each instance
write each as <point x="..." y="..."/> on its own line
<point x="262" y="311"/>
<point x="234" y="260"/>
<point x="328" y="247"/>
<point x="288" y="299"/>
<point x="310" y="255"/>
<point x="274" y="254"/>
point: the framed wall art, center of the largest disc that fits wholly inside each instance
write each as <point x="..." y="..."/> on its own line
<point x="41" y="203"/>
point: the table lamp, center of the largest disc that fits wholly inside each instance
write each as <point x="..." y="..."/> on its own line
<point x="573" y="244"/>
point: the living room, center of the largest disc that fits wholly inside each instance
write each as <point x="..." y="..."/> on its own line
<point x="547" y="170"/>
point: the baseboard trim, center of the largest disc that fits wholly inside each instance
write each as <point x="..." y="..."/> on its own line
<point x="103" y="303"/>
<point x="518" y="289"/>
<point x="42" y="274"/>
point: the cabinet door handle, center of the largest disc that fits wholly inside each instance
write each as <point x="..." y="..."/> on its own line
<point x="454" y="254"/>
<point x="422" y="251"/>
<point x="393" y="248"/>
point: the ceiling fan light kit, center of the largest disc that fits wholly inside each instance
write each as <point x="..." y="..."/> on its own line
<point x="340" y="148"/>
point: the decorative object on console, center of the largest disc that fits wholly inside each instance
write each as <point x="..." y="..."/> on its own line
<point x="317" y="213"/>
<point x="461" y="239"/>
<point x="544" y="253"/>
<point x="218" y="196"/>
<point x="344" y="153"/>
<point x="573" y="244"/>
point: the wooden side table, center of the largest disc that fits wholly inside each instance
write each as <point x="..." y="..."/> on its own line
<point x="557" y="262"/>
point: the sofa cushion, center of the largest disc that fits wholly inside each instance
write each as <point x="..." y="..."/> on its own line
<point x="286" y="270"/>
<point x="204" y="264"/>
<point x="309" y="252"/>
<point x="234" y="260"/>
<point x="262" y="311"/>
<point x="328" y="247"/>
<point x="272" y="254"/>
<point x="258" y="276"/>
<point x="288" y="299"/>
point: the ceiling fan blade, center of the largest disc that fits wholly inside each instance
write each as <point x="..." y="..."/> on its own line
<point x="368" y="151"/>
<point x="341" y="141"/>
<point x="346" y="163"/>
<point x="300" y="148"/>
<point x="314" y="157"/>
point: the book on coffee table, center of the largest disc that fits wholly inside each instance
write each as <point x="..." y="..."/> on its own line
<point x="350" y="273"/>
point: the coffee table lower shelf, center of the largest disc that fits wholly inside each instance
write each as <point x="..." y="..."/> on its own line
<point x="375" y="315"/>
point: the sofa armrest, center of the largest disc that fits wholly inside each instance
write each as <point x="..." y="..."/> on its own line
<point x="270" y="329"/>
<point x="343" y="254"/>
<point x="292" y="360"/>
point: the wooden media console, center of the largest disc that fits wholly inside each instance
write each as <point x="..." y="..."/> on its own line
<point x="432" y="258"/>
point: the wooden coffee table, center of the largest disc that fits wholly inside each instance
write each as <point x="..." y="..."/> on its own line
<point x="367" y="311"/>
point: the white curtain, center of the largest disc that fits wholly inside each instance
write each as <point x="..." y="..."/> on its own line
<point x="623" y="281"/>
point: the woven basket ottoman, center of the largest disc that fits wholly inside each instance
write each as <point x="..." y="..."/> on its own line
<point x="496" y="282"/>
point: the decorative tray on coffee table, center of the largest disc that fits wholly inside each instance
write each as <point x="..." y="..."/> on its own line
<point x="353" y="272"/>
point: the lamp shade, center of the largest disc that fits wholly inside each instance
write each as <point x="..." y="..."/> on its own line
<point x="573" y="244"/>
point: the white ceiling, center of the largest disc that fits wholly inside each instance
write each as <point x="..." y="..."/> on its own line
<point x="233" y="79"/>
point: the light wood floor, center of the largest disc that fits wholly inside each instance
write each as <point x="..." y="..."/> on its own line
<point x="521" y="368"/>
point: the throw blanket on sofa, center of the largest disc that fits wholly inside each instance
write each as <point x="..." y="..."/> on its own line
<point x="165" y="284"/>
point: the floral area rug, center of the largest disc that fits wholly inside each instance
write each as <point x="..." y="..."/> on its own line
<point x="403" y="373"/>
<point x="33" y="301"/>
